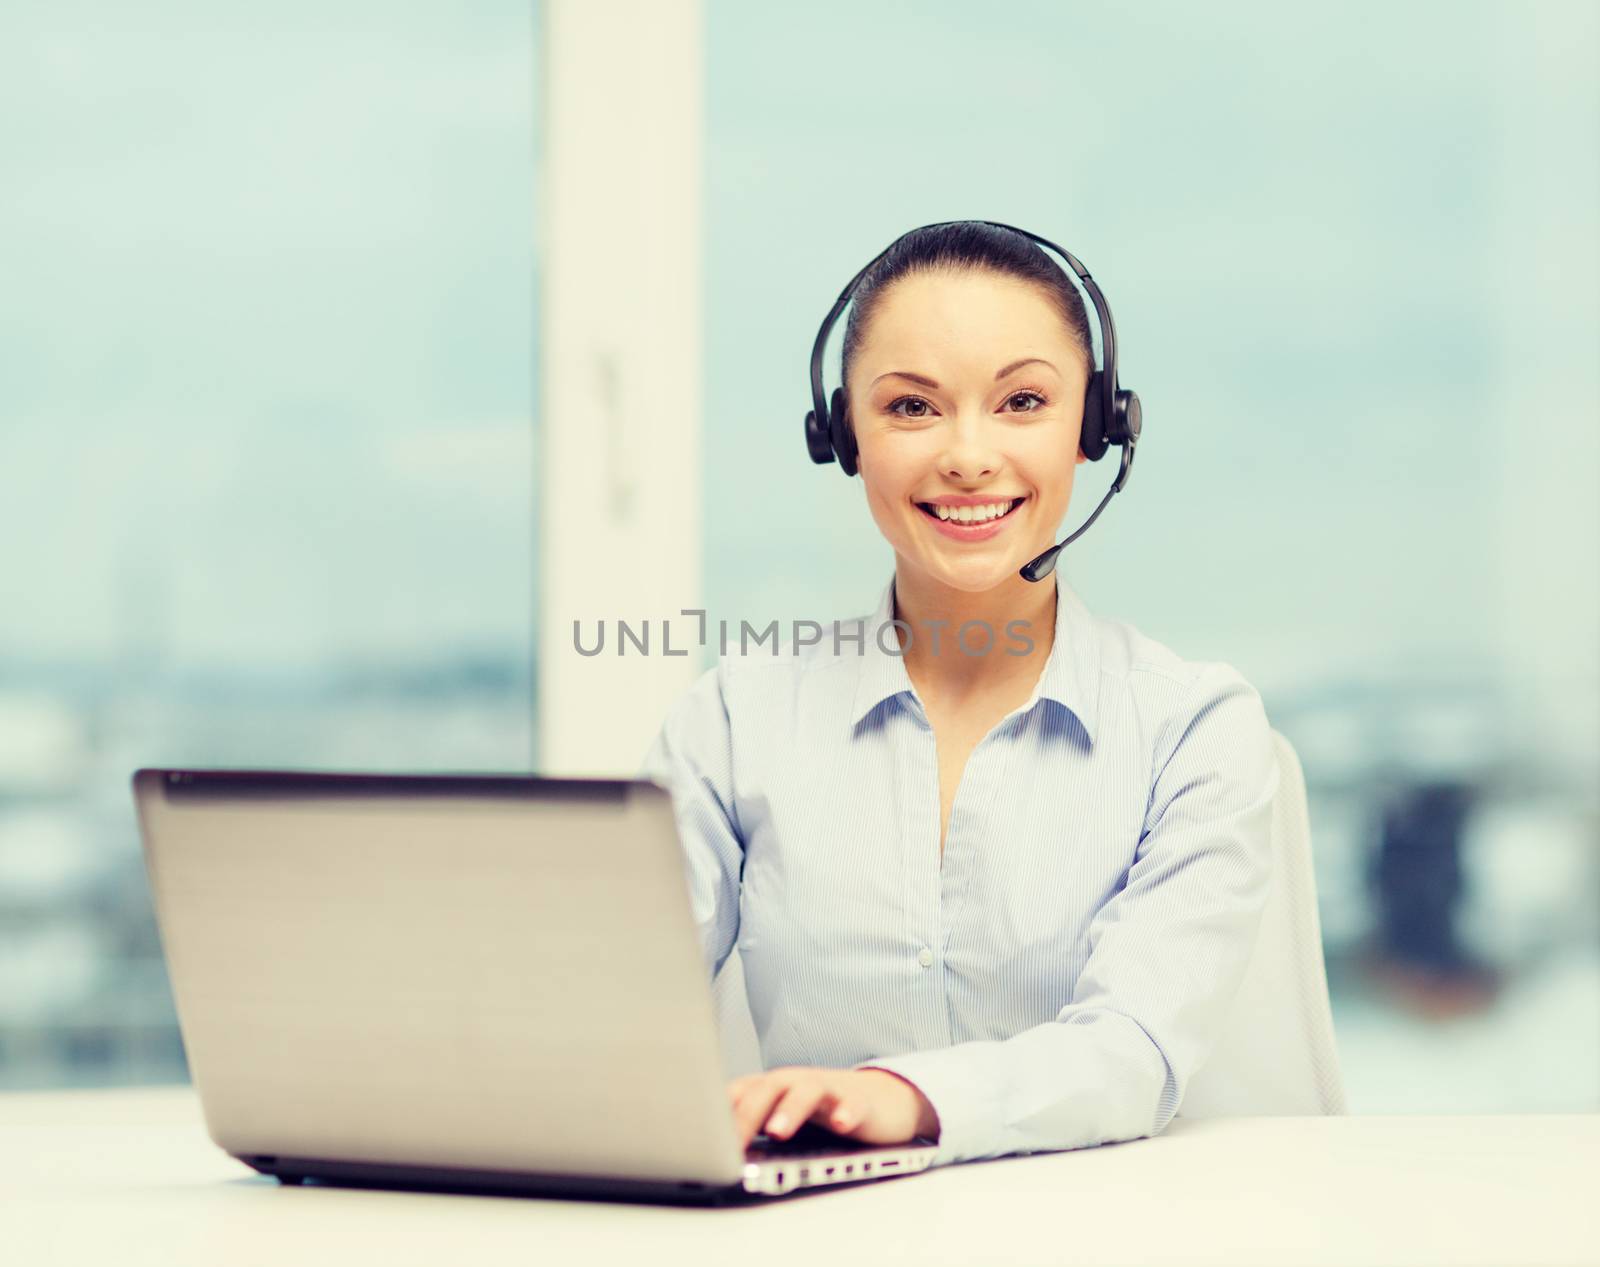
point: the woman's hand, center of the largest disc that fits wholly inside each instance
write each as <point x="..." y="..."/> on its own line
<point x="873" y="1106"/>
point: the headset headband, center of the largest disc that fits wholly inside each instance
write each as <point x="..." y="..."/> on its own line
<point x="1108" y="327"/>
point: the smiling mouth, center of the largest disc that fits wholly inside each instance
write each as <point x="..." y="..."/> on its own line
<point x="932" y="512"/>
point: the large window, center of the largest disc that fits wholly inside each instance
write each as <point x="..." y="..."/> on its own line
<point x="266" y="411"/>
<point x="267" y="441"/>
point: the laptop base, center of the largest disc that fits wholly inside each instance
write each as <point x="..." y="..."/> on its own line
<point x="296" y="1170"/>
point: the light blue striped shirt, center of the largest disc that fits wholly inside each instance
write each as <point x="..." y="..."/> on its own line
<point x="1060" y="976"/>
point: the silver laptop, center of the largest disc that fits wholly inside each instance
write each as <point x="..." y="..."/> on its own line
<point x="488" y="982"/>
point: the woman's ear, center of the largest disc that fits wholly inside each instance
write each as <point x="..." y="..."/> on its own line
<point x="1081" y="458"/>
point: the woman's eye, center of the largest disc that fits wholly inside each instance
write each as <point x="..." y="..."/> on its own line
<point x="909" y="400"/>
<point x="917" y="407"/>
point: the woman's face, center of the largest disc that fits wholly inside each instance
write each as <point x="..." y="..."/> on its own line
<point x="967" y="390"/>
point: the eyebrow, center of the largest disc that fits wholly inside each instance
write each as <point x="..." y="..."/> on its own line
<point x="928" y="382"/>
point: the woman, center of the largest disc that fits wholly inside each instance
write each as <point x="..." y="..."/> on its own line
<point x="994" y="889"/>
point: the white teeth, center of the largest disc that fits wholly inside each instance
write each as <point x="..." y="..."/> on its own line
<point x="973" y="514"/>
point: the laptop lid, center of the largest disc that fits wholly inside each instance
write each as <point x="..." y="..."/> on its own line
<point x="495" y="972"/>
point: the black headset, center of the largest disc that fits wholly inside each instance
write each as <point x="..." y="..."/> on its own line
<point x="1110" y="414"/>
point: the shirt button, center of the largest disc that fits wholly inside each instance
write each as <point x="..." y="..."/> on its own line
<point x="925" y="957"/>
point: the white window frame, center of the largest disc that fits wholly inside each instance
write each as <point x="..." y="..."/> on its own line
<point x="621" y="385"/>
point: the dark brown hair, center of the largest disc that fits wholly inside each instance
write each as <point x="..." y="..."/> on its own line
<point x="967" y="244"/>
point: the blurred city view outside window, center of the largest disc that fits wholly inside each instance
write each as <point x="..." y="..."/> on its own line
<point x="266" y="404"/>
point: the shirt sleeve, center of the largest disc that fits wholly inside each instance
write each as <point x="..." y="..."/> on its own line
<point x="692" y="756"/>
<point x="1167" y="954"/>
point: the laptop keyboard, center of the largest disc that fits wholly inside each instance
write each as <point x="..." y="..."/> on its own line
<point x="809" y="1141"/>
<point x="764" y="1149"/>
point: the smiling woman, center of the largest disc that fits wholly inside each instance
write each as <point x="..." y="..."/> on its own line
<point x="971" y="439"/>
<point x="988" y="252"/>
<point x="1000" y="894"/>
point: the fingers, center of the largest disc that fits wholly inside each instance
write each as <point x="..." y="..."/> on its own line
<point x="779" y="1101"/>
<point x="843" y="1117"/>
<point x="797" y="1105"/>
<point x="754" y="1106"/>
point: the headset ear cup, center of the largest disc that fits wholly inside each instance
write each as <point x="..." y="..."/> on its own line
<point x="1127" y="418"/>
<point x="818" y="445"/>
<point x="1092" y="437"/>
<point x="844" y="440"/>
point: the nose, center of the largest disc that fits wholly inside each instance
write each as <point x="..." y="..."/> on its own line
<point x="969" y="454"/>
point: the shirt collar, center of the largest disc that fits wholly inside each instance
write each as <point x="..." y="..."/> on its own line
<point x="1071" y="676"/>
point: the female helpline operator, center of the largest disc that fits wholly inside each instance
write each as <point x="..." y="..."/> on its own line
<point x="999" y="899"/>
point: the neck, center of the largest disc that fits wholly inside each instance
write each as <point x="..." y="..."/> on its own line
<point x="923" y="602"/>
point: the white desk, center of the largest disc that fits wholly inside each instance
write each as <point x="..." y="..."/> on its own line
<point x="129" y="1177"/>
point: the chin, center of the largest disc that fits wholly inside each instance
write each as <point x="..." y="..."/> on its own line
<point x="971" y="575"/>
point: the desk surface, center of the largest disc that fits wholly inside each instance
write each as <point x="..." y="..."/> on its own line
<point x="131" y="1177"/>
